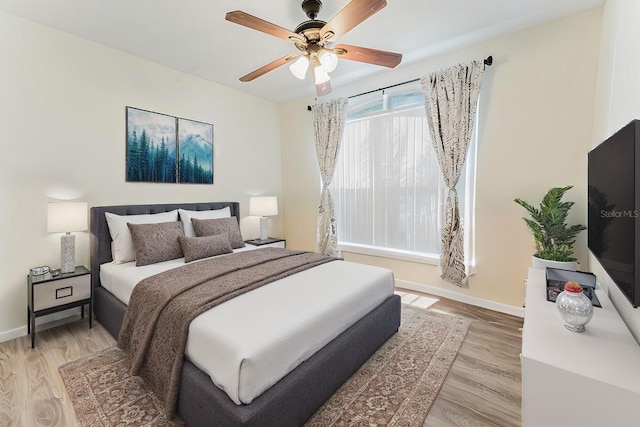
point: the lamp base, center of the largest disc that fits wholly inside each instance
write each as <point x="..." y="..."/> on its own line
<point x="68" y="253"/>
<point x="264" y="228"/>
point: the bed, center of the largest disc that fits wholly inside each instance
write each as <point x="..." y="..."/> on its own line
<point x="291" y="400"/>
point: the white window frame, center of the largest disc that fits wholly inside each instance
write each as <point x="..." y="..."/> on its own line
<point x="467" y="202"/>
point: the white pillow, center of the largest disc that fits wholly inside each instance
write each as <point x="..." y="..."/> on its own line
<point x="122" y="245"/>
<point x="185" y="217"/>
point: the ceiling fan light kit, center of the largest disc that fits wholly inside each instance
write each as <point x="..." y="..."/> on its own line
<point x="321" y="76"/>
<point x="299" y="67"/>
<point x="328" y="60"/>
<point x="313" y="38"/>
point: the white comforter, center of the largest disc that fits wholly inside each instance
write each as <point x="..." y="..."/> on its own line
<point x="249" y="343"/>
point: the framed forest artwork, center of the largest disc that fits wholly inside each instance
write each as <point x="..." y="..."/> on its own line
<point x="195" y="148"/>
<point x="167" y="149"/>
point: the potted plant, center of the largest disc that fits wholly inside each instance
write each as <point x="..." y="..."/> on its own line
<point x="554" y="238"/>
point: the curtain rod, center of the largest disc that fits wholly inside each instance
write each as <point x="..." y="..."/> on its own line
<point x="487" y="62"/>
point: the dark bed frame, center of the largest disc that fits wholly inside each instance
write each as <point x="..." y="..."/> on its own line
<point x="292" y="400"/>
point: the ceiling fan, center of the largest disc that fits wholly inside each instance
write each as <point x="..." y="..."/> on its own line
<point x="314" y="39"/>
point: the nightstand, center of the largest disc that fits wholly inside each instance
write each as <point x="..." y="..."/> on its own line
<point x="269" y="242"/>
<point x="49" y="293"/>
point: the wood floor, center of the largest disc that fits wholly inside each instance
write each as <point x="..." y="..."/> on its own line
<point x="483" y="387"/>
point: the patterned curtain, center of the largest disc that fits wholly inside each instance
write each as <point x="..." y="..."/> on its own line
<point x="451" y="100"/>
<point x="328" y="126"/>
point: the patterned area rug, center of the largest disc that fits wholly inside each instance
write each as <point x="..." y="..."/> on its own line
<point x="104" y="394"/>
<point x="395" y="387"/>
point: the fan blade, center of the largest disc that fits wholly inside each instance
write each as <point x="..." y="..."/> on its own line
<point x="370" y="56"/>
<point x="269" y="67"/>
<point x="255" y="23"/>
<point x="351" y="15"/>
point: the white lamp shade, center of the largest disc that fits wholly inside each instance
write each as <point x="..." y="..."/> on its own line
<point x="63" y="217"/>
<point x="321" y="76"/>
<point x="299" y="67"/>
<point x="328" y="60"/>
<point x="263" y="206"/>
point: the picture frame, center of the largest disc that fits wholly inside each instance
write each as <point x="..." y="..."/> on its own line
<point x="195" y="151"/>
<point x="151" y="146"/>
<point x="161" y="148"/>
<point x="557" y="278"/>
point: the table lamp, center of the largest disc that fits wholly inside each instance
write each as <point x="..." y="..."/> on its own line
<point x="263" y="206"/>
<point x="65" y="217"/>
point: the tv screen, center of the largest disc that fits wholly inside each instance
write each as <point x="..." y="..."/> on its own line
<point x="613" y="213"/>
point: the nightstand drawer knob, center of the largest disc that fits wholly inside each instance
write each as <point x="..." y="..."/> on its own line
<point x="67" y="291"/>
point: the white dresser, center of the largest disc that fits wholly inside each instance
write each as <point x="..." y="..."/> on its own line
<point x="577" y="379"/>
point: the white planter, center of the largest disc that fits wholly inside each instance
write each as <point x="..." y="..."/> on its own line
<point x="542" y="264"/>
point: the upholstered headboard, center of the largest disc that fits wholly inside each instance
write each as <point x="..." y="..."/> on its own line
<point x="100" y="239"/>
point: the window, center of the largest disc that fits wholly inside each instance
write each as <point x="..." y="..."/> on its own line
<point x="388" y="190"/>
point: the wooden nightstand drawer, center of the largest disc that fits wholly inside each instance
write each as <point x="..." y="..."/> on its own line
<point x="54" y="291"/>
<point x="60" y="292"/>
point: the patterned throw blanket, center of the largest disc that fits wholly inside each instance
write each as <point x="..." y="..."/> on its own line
<point x="156" y="323"/>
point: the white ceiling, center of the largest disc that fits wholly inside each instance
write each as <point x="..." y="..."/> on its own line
<point x="193" y="36"/>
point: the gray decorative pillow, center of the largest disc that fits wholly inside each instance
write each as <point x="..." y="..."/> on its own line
<point x="208" y="227"/>
<point x="155" y="243"/>
<point x="203" y="247"/>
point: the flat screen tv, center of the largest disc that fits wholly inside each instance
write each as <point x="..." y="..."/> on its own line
<point x="614" y="208"/>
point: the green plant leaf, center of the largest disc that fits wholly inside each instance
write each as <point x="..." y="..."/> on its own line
<point x="554" y="238"/>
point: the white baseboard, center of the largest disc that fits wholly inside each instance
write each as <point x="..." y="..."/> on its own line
<point x="13" y="333"/>
<point x="42" y="323"/>
<point x="479" y="302"/>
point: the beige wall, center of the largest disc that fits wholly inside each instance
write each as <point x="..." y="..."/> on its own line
<point x="62" y="103"/>
<point x="535" y="129"/>
<point x="62" y="130"/>
<point x="617" y="103"/>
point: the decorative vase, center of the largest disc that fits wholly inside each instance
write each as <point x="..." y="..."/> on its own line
<point x="544" y="263"/>
<point x="574" y="307"/>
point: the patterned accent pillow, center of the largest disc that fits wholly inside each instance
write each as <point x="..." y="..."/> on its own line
<point x="185" y="217"/>
<point x="204" y="247"/>
<point x="122" y="249"/>
<point x="158" y="242"/>
<point x="208" y="227"/>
